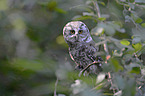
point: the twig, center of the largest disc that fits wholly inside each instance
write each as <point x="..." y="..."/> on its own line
<point x="102" y="42"/>
<point x="55" y="86"/>
<point x="99" y="15"/>
<point x="109" y="75"/>
<point x="97" y="8"/>
<point x="105" y="44"/>
<point x="122" y="3"/>
<point x="96" y="62"/>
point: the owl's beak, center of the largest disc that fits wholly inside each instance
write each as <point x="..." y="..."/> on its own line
<point x="76" y="38"/>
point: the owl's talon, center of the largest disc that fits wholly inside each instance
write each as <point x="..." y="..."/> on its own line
<point x="80" y="73"/>
<point x="82" y="48"/>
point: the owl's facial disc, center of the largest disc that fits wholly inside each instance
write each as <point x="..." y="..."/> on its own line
<point x="76" y="31"/>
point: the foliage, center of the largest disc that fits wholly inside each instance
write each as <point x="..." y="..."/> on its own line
<point x="34" y="59"/>
<point x="120" y="27"/>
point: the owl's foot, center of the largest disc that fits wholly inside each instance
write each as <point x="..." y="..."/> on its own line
<point x="94" y="63"/>
<point x="82" y="72"/>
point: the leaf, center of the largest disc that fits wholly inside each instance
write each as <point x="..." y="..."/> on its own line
<point x="136" y="39"/>
<point x="130" y="87"/>
<point x="135" y="70"/>
<point x="119" y="54"/>
<point x="131" y="1"/>
<point x="125" y="42"/>
<point x="60" y="40"/>
<point x="143" y="24"/>
<point x="116" y="26"/>
<point x="52" y="5"/>
<point x="102" y="3"/>
<point x="131" y="5"/>
<point x="88" y="14"/>
<point x="97" y="31"/>
<point x="121" y="30"/>
<point x="78" y="86"/>
<point x="138" y="20"/>
<point x="140" y="1"/>
<point x="109" y="30"/>
<point x="119" y="80"/>
<point x="100" y="77"/>
<point x="127" y="18"/>
<point x="102" y="19"/>
<point x="119" y="93"/>
<point x="115" y="64"/>
<point x="78" y="17"/>
<point x="132" y="65"/>
<point x="60" y="10"/>
<point x="137" y="46"/>
<point x="140" y="33"/>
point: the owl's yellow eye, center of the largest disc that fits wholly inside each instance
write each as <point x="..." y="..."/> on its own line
<point x="72" y="31"/>
<point x="80" y="31"/>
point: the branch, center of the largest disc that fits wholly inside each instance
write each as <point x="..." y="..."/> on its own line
<point x="55" y="86"/>
<point x="105" y="43"/>
<point x="94" y="63"/>
<point x="97" y="8"/>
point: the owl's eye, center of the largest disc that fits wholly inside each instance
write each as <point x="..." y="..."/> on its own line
<point x="80" y="31"/>
<point x="72" y="31"/>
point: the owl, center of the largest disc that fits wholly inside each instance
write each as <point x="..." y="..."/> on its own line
<point x="82" y="48"/>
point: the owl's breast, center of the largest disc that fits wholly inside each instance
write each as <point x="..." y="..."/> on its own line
<point x="82" y="54"/>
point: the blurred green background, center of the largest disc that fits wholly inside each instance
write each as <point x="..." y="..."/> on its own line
<point x="32" y="49"/>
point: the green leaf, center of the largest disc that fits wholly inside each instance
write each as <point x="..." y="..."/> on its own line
<point x="130" y="87"/>
<point x="125" y="42"/>
<point x="102" y="19"/>
<point x="143" y="24"/>
<point x="131" y="5"/>
<point x="52" y="5"/>
<point x="119" y="80"/>
<point x="60" y="10"/>
<point x="115" y="64"/>
<point x="137" y="46"/>
<point x="78" y="17"/>
<point x="131" y="1"/>
<point x="88" y="14"/>
<point x="108" y="29"/>
<point x="135" y="70"/>
<point x="138" y="20"/>
<point x="136" y="39"/>
<point x="119" y="54"/>
<point x="102" y="3"/>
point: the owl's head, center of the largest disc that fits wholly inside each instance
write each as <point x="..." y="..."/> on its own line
<point x="76" y="31"/>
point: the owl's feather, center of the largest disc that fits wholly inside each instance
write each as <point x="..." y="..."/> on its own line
<point x="81" y="45"/>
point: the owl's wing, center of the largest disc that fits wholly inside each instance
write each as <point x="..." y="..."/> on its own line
<point x="93" y="52"/>
<point x="93" y="44"/>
